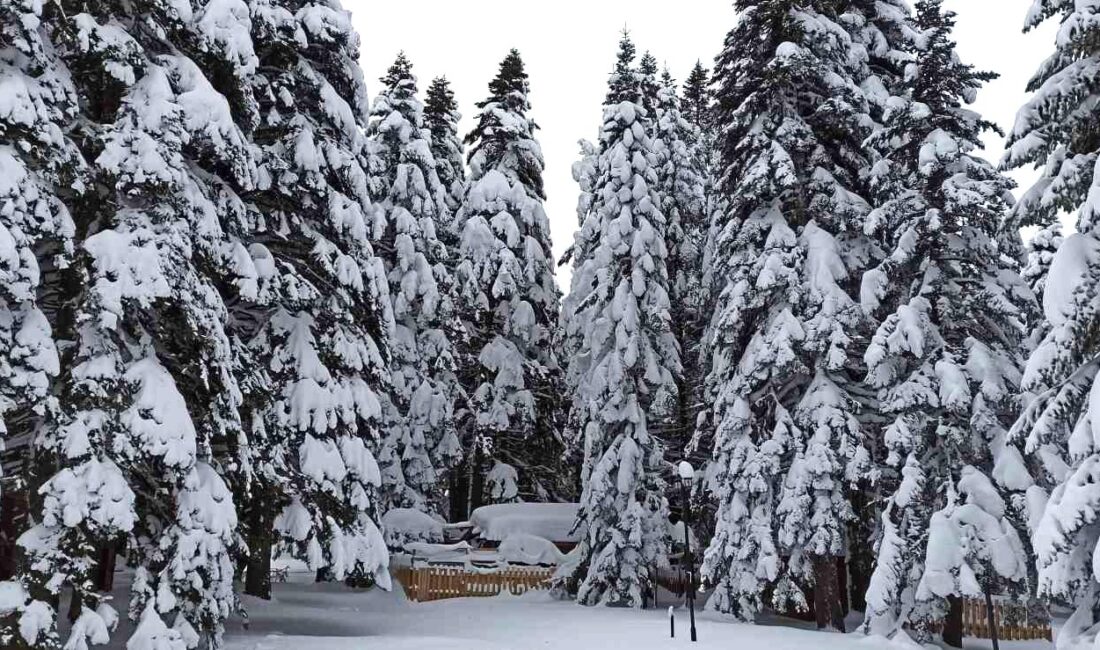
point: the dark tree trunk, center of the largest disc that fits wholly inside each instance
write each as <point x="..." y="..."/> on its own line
<point x="827" y="607"/>
<point x="13" y="514"/>
<point x="953" y="623"/>
<point x="861" y="552"/>
<point x="105" y="568"/>
<point x="75" y="606"/>
<point x="257" y="576"/>
<point x="459" y="487"/>
<point x="844" y="585"/>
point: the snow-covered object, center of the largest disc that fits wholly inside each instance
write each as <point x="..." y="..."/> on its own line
<point x="137" y="291"/>
<point x="784" y="256"/>
<point x="1060" y="421"/>
<point x="946" y="361"/>
<point x="509" y="299"/>
<point x="402" y="526"/>
<point x="1041" y="251"/>
<point x="681" y="187"/>
<point x="41" y="174"/>
<point x="624" y="362"/>
<point x="676" y="534"/>
<point x="441" y="117"/>
<point x="552" y="521"/>
<point x="421" y="440"/>
<point x="314" y="310"/>
<point x="521" y="548"/>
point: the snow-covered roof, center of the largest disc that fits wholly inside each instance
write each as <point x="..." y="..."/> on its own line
<point x="552" y="521"/>
<point x="410" y="520"/>
<point x="521" y="548"/>
<point x="404" y="525"/>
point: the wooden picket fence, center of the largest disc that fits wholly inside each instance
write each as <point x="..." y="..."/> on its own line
<point x="1014" y="622"/>
<point x="426" y="584"/>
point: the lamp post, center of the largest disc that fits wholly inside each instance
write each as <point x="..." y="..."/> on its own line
<point x="687" y="475"/>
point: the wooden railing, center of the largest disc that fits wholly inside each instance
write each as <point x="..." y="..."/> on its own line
<point x="425" y="584"/>
<point x="1014" y="622"/>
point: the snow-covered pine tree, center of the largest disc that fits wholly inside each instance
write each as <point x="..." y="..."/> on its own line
<point x="314" y="310"/>
<point x="148" y="430"/>
<point x="421" y="440"/>
<point x="697" y="101"/>
<point x="1054" y="130"/>
<point x="41" y="171"/>
<point x="650" y="85"/>
<point x="622" y="377"/>
<point x="509" y="299"/>
<point x="946" y="358"/>
<point x="441" y="117"/>
<point x="1040" y="251"/>
<point x="681" y="187"/>
<point x="786" y="253"/>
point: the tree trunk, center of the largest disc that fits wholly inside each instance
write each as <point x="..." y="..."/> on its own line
<point x="13" y="519"/>
<point x="75" y="606"/>
<point x="861" y="552"/>
<point x="953" y="623"/>
<point x="105" y="568"/>
<point x="827" y="608"/>
<point x="257" y="581"/>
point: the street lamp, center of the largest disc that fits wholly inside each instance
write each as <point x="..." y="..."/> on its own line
<point x="687" y="475"/>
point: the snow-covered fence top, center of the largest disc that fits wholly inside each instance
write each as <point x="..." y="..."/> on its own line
<point x="552" y="521"/>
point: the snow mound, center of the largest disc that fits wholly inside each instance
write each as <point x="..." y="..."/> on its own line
<point x="402" y="526"/>
<point x="521" y="548"/>
<point x="1069" y="268"/>
<point x="552" y="521"/>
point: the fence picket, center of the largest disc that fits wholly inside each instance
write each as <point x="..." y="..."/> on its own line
<point x="436" y="583"/>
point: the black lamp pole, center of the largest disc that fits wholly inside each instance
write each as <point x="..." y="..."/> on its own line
<point x="686" y="476"/>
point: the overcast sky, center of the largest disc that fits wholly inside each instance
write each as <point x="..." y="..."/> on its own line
<point x="569" y="48"/>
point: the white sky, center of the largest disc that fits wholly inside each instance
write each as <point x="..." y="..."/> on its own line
<point x="569" y="48"/>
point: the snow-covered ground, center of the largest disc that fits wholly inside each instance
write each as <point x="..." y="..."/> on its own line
<point x="330" y="617"/>
<point x="303" y="615"/>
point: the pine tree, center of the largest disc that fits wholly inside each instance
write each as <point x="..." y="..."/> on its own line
<point x="421" y="439"/>
<point x="946" y="357"/>
<point x="622" y="377"/>
<point x="42" y="172"/>
<point x="441" y="117"/>
<point x="510" y="300"/>
<point x="697" y="100"/>
<point x="1041" y="251"/>
<point x="681" y="186"/>
<point x="650" y="86"/>
<point x="145" y="438"/>
<point x="697" y="107"/>
<point x="313" y="315"/>
<point x="1054" y="131"/>
<point x="784" y="336"/>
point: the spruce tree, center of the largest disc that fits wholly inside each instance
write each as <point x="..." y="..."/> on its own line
<point x="1041" y="251"/>
<point x="42" y="172"/>
<point x="441" y="117"/>
<point x="946" y="357"/>
<point x="622" y="376"/>
<point x="784" y="336"/>
<point x="1055" y="131"/>
<point x="147" y="436"/>
<point x="509" y="298"/>
<point x="681" y="186"/>
<point x="421" y="439"/>
<point x="697" y="101"/>
<point x="650" y="85"/>
<point x="313" y="315"/>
